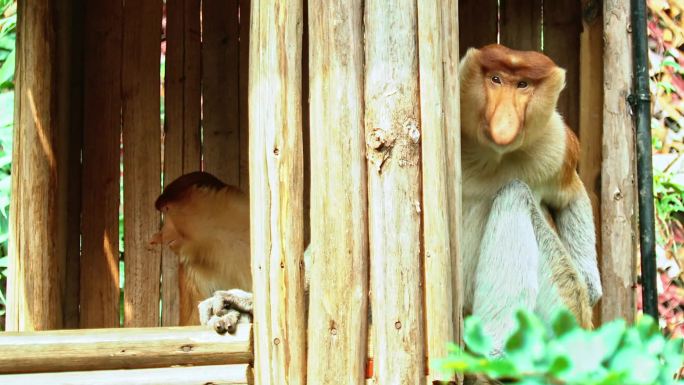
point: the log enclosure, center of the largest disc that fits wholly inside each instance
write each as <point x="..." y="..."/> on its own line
<point x="340" y="117"/>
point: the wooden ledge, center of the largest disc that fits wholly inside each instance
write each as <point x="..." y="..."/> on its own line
<point x="121" y="348"/>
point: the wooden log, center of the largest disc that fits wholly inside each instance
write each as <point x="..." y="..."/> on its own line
<point x="142" y="160"/>
<point x="452" y="126"/>
<point x="338" y="288"/>
<point x="197" y="375"/>
<point x="439" y="326"/>
<point x="591" y="113"/>
<point x="480" y="26"/>
<point x="74" y="73"/>
<point x="101" y="166"/>
<point x="244" y="99"/>
<point x="562" y="27"/>
<point x="40" y="212"/>
<point x="521" y="24"/>
<point x="393" y="135"/>
<point x="276" y="192"/>
<point x="618" y="189"/>
<point x="182" y="142"/>
<point x="220" y="89"/>
<point x="128" y="348"/>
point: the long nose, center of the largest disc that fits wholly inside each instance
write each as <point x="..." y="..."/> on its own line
<point x="504" y="124"/>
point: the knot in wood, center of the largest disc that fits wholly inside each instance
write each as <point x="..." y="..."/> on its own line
<point x="617" y="195"/>
<point x="397" y="325"/>
<point x="276" y="341"/>
<point x="378" y="139"/>
<point x="412" y="131"/>
<point x="186" y="348"/>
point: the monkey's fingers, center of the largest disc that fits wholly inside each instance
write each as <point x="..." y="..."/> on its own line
<point x="233" y="299"/>
<point x="226" y="323"/>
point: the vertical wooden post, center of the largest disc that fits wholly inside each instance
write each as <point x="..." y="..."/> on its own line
<point x="338" y="311"/>
<point x="220" y="76"/>
<point x="521" y="24"/>
<point x="435" y="59"/>
<point x="101" y="157"/>
<point x="480" y="26"/>
<point x="562" y="26"/>
<point x="142" y="163"/>
<point x="182" y="143"/>
<point x="40" y="212"/>
<point x="618" y="185"/>
<point x="276" y="192"/>
<point x="393" y="136"/>
<point x="452" y="127"/>
<point x="244" y="98"/>
<point x="591" y="113"/>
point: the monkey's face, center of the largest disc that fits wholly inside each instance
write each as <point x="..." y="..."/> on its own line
<point x="169" y="235"/>
<point x="507" y="96"/>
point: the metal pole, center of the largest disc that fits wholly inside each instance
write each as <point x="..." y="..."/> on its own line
<point x="641" y="106"/>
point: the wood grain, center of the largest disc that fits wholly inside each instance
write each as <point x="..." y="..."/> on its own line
<point x="142" y="160"/>
<point x="521" y="24"/>
<point x="244" y="99"/>
<point x="41" y="195"/>
<point x="101" y="172"/>
<point x="220" y="89"/>
<point x="562" y="27"/>
<point x="182" y="145"/>
<point x="479" y="26"/>
<point x="437" y="258"/>
<point x="197" y="375"/>
<point x="128" y="348"/>
<point x="338" y="300"/>
<point x="393" y="135"/>
<point x="452" y="127"/>
<point x="618" y="187"/>
<point x="276" y="192"/>
<point x="591" y="113"/>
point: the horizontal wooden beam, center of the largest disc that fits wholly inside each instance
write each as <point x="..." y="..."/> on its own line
<point x="195" y="375"/>
<point x="129" y="348"/>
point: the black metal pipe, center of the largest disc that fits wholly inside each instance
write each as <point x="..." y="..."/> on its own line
<point x="640" y="101"/>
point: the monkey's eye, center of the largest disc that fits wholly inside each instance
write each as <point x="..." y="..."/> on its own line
<point x="522" y="84"/>
<point x="496" y="79"/>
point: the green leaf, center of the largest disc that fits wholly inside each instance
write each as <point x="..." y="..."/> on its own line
<point x="563" y="322"/>
<point x="7" y="68"/>
<point x="609" y="336"/>
<point x="4" y="261"/>
<point x="638" y="367"/>
<point x="475" y="338"/>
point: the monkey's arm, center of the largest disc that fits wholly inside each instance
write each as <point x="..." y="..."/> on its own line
<point x="575" y="223"/>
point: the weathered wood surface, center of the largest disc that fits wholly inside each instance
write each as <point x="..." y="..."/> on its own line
<point x="338" y="299"/>
<point x="276" y="192"/>
<point x="393" y="135"/>
<point x="244" y="98"/>
<point x="521" y="24"/>
<point x="142" y="160"/>
<point x="452" y="126"/>
<point x="439" y="326"/>
<point x="182" y="143"/>
<point x="220" y="86"/>
<point x="127" y="348"/>
<point x="42" y="199"/>
<point x="99" y="299"/>
<point x="192" y="375"/>
<point x="562" y="27"/>
<point x="591" y="112"/>
<point x="618" y="187"/>
<point x="479" y="25"/>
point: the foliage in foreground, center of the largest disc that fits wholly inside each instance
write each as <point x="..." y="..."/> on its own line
<point x="614" y="354"/>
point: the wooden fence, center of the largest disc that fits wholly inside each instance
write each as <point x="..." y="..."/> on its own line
<point x="356" y="100"/>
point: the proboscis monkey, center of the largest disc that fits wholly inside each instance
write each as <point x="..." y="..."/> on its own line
<point x="519" y="167"/>
<point x="206" y="223"/>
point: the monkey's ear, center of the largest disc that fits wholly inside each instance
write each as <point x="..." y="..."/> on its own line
<point x="469" y="66"/>
<point x="556" y="80"/>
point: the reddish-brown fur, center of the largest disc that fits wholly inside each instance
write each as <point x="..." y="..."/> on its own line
<point x="527" y="64"/>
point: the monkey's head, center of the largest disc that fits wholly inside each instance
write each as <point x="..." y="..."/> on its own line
<point x="187" y="207"/>
<point x="507" y="96"/>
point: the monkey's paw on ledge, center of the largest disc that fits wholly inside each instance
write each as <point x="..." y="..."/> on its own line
<point x="225" y="309"/>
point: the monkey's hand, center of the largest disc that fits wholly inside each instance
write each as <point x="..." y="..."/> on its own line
<point x="225" y="309"/>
